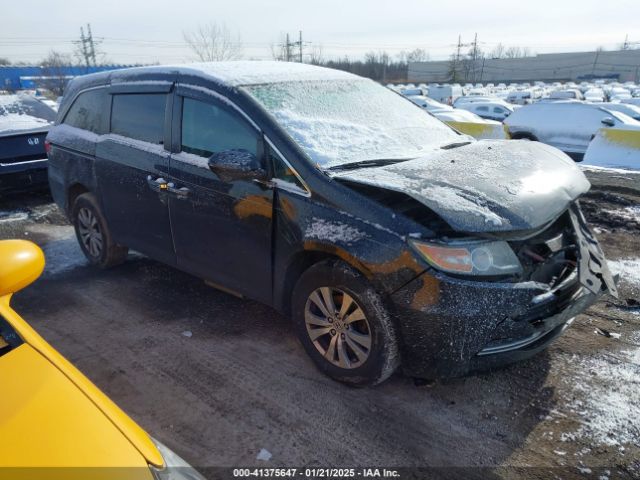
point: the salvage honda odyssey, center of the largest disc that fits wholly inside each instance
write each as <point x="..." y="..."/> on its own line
<point x="388" y="237"/>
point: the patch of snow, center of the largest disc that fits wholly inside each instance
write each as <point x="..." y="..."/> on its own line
<point x="452" y="199"/>
<point x="264" y="455"/>
<point x="606" y="398"/>
<point x="13" y="216"/>
<point x="333" y="231"/>
<point x="627" y="213"/>
<point x="187" y="333"/>
<point x="628" y="269"/>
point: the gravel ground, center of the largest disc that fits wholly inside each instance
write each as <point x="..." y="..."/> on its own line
<point x="219" y="379"/>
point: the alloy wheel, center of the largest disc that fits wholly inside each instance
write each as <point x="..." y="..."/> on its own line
<point x="90" y="232"/>
<point x="338" y="327"/>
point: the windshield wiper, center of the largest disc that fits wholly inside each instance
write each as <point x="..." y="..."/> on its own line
<point x="368" y="163"/>
<point x="449" y="146"/>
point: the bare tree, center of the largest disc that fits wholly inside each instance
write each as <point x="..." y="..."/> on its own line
<point x="281" y="51"/>
<point x="513" y="52"/>
<point x="4" y="61"/>
<point x="316" y="57"/>
<point x="214" y="42"/>
<point x="417" y="55"/>
<point x="498" y="51"/>
<point x="54" y="76"/>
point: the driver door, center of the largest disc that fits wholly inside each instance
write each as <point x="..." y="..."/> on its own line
<point x="221" y="225"/>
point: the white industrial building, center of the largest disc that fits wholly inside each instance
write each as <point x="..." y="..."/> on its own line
<point x="621" y="65"/>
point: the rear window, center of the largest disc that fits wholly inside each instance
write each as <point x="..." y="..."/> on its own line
<point x="87" y="110"/>
<point x="139" y="116"/>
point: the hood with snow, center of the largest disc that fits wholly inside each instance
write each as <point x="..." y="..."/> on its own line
<point x="486" y="186"/>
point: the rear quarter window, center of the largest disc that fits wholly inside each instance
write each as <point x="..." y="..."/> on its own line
<point x="139" y="116"/>
<point x="88" y="110"/>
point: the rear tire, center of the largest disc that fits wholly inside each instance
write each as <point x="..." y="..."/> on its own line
<point x="343" y="324"/>
<point x="93" y="233"/>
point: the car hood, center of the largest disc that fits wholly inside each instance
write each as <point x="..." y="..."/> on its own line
<point x="486" y="186"/>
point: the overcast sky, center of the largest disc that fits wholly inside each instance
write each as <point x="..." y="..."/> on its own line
<point x="137" y="31"/>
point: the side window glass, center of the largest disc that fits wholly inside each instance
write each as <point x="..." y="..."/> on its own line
<point x="139" y="116"/>
<point x="87" y="110"/>
<point x="282" y="171"/>
<point x="483" y="109"/>
<point x="208" y="129"/>
<point x="497" y="110"/>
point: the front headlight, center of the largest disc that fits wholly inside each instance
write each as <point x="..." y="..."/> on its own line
<point x="478" y="257"/>
<point x="175" y="468"/>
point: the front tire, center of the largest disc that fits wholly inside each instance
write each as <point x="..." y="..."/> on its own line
<point x="93" y="233"/>
<point x="343" y="324"/>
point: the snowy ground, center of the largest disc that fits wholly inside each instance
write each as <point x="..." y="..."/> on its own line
<point x="223" y="381"/>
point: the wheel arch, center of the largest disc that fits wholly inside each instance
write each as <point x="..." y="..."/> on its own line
<point x="305" y="259"/>
<point x="524" y="136"/>
<point x="73" y="192"/>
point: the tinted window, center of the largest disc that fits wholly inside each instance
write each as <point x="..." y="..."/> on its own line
<point x="207" y="128"/>
<point x="139" y="116"/>
<point x="87" y="111"/>
<point x="483" y="109"/>
<point x="498" y="110"/>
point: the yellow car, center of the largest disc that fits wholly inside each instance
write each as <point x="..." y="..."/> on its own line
<point x="54" y="423"/>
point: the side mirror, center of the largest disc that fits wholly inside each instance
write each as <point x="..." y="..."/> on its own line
<point x="21" y="263"/>
<point x="608" y="121"/>
<point x="236" y="164"/>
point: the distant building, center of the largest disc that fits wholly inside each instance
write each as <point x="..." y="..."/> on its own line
<point x="621" y="65"/>
<point x="21" y="77"/>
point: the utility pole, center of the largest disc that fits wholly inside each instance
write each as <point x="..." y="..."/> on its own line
<point x="625" y="45"/>
<point x="91" y="45"/>
<point x="83" y="47"/>
<point x="288" y="49"/>
<point x="300" y="45"/>
<point x="87" y="47"/>
<point x="475" y="56"/>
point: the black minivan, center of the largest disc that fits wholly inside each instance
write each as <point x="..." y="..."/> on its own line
<point x="388" y="237"/>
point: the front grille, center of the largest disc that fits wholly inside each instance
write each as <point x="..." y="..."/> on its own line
<point x="551" y="256"/>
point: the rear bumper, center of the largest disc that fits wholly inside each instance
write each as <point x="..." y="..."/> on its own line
<point x="23" y="175"/>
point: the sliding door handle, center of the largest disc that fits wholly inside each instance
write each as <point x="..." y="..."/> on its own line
<point x="158" y="184"/>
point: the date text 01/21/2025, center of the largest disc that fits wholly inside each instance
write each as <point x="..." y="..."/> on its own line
<point x="312" y="473"/>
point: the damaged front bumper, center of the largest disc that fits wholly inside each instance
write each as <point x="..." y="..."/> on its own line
<point x="450" y="326"/>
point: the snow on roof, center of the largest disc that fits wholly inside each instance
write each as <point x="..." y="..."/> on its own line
<point x="256" y="72"/>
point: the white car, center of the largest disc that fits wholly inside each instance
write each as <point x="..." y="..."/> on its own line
<point x="429" y="104"/>
<point x="569" y="126"/>
<point x="491" y="110"/>
<point x="594" y="95"/>
<point x="567" y="94"/>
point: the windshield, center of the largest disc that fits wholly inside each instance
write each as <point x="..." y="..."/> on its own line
<point x="622" y="117"/>
<point x="345" y="121"/>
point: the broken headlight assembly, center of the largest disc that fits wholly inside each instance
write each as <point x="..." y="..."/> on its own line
<point x="470" y="257"/>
